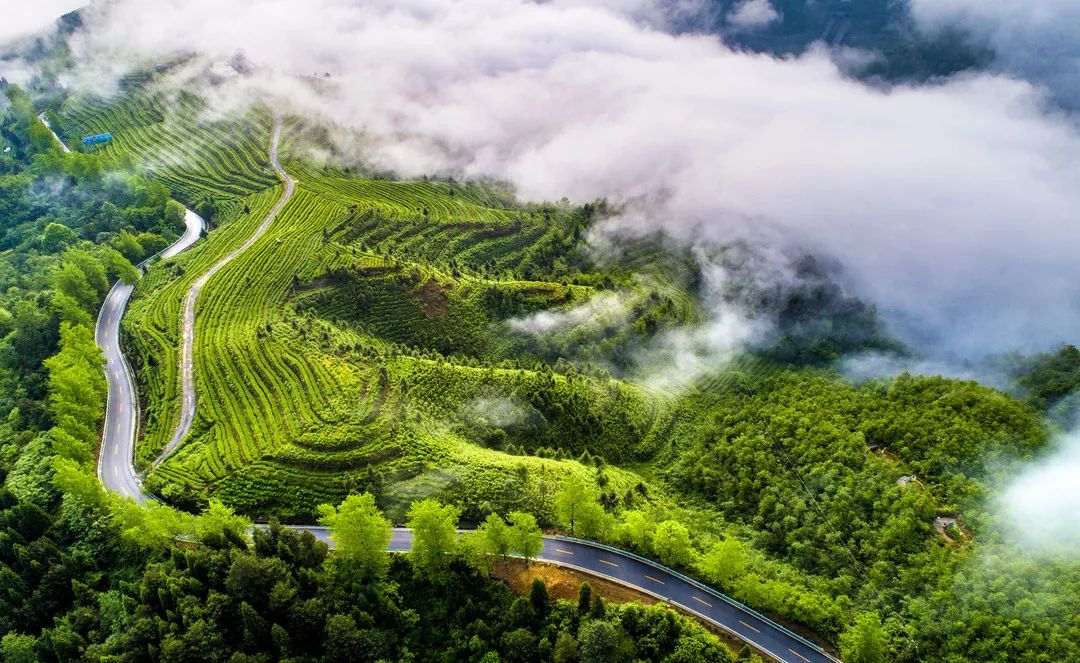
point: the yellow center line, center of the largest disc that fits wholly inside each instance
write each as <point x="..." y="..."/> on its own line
<point x="604" y="561"/>
<point x="702" y="602"/>
<point x="565" y="552"/>
<point x="749" y="627"/>
<point x="799" y="655"/>
<point x="654" y="579"/>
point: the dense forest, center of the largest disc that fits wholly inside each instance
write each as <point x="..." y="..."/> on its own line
<point x="78" y="585"/>
<point x="71" y="227"/>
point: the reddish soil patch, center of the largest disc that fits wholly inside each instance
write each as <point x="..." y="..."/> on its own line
<point x="563" y="584"/>
<point x="432" y="299"/>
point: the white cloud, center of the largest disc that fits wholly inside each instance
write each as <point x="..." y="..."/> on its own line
<point x="1036" y="39"/>
<point x="498" y="411"/>
<point x="1041" y="505"/>
<point x="677" y="358"/>
<point x="953" y="207"/>
<point x="989" y="371"/>
<point x="27" y="18"/>
<point x="603" y="309"/>
<point x="752" y="14"/>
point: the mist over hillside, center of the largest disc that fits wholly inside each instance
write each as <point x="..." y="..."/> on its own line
<point x="709" y="259"/>
<point x="903" y="186"/>
<point x="878" y="41"/>
<point x="1033" y="40"/>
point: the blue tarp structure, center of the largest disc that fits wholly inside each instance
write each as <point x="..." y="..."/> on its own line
<point x="94" y="140"/>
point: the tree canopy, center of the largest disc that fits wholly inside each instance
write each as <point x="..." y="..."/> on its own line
<point x="360" y="532"/>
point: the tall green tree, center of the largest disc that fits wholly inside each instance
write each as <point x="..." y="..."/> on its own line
<point x="128" y="245"/>
<point x="218" y="524"/>
<point x="118" y="266"/>
<point x="82" y="277"/>
<point x="526" y="539"/>
<point x="584" y="599"/>
<point x="566" y="649"/>
<point x="671" y="542"/>
<point x="572" y="498"/>
<point x="150" y="527"/>
<point x="435" y="539"/>
<point x="75" y="481"/>
<point x="360" y="531"/>
<point x="636" y="530"/>
<point x="77" y="390"/>
<point x="578" y="507"/>
<point x="57" y="237"/>
<point x="474" y="551"/>
<point x="603" y="642"/>
<point x="495" y="535"/>
<point x="725" y="561"/>
<point x="539" y="597"/>
<point x="18" y="648"/>
<point x="865" y="641"/>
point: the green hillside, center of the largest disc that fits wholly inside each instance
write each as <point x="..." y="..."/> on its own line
<point x="90" y="575"/>
<point x="372" y="340"/>
<point x="347" y="345"/>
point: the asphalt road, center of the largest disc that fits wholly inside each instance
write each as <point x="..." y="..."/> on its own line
<point x="117" y="472"/>
<point x="116" y="468"/>
<point x="670" y="587"/>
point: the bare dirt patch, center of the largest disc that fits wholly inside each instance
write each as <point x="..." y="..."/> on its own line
<point x="433" y="299"/>
<point x="563" y="584"/>
<point x="952" y="530"/>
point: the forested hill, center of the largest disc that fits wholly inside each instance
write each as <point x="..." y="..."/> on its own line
<point x="439" y="354"/>
<point x="884" y="28"/>
<point x="89" y="576"/>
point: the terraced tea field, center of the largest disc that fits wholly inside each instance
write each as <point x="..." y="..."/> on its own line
<point x="171" y="139"/>
<point x="361" y="341"/>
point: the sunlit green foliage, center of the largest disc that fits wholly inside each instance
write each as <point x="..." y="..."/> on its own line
<point x="524" y="535"/>
<point x="360" y="532"/>
<point x="218" y="524"/>
<point x="76" y="393"/>
<point x="435" y="539"/>
<point x="725" y="561"/>
<point x="671" y="542"/>
<point x="578" y="508"/>
<point x="865" y="641"/>
<point x="493" y="536"/>
<point x="363" y="345"/>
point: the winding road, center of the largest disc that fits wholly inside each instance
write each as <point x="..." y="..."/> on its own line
<point x="662" y="583"/>
<point x="117" y="472"/>
<point x="187" y="347"/>
<point x="116" y="468"/>
<point x="45" y="121"/>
